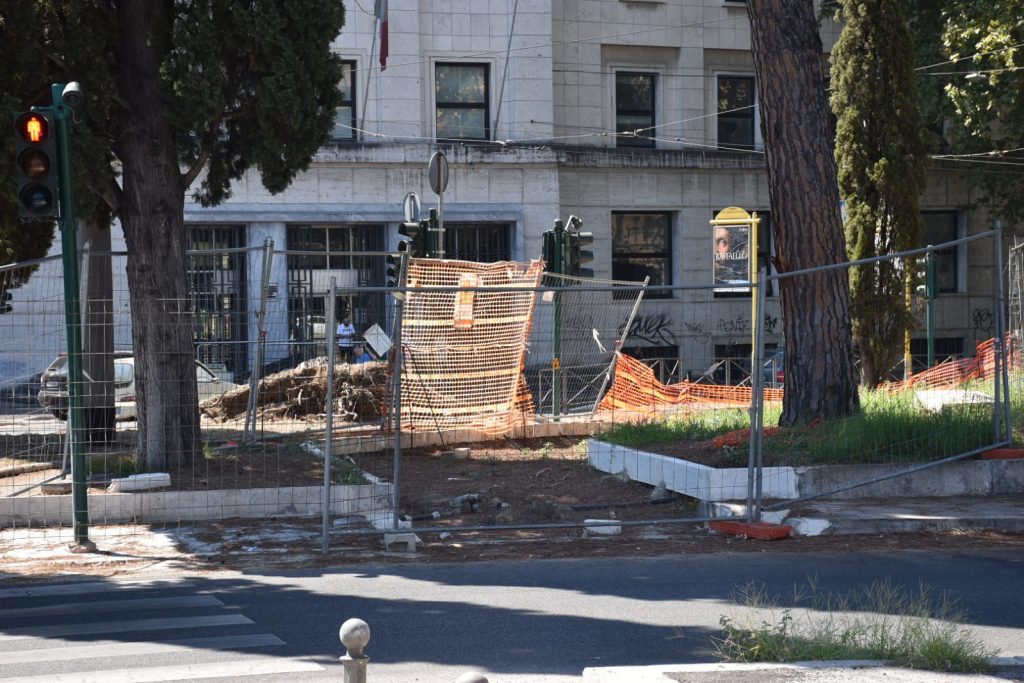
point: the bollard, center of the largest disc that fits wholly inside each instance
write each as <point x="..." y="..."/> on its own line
<point x="354" y="634"/>
<point x="471" y="677"/>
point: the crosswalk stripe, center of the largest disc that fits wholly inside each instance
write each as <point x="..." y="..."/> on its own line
<point x="107" y="606"/>
<point x="174" y="673"/>
<point x="123" y="626"/>
<point x="89" y="587"/>
<point x="110" y="648"/>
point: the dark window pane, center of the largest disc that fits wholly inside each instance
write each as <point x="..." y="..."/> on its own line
<point x="634" y="92"/>
<point x="461" y="124"/>
<point x="456" y="83"/>
<point x="634" y="109"/>
<point x="345" y="114"/>
<point x="736" y="112"/>
<point x="642" y="247"/>
<point x="939" y="227"/>
<point x="461" y="99"/>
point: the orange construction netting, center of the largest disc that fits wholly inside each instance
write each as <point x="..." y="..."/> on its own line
<point x="957" y="371"/>
<point x="463" y="351"/>
<point x="635" y="388"/>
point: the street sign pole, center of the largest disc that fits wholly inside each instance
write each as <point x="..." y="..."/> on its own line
<point x="73" y="321"/>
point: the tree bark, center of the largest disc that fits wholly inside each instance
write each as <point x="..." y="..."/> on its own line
<point x="98" y="335"/>
<point x="152" y="215"/>
<point x="808" y="231"/>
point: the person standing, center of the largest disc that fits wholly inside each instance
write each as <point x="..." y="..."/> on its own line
<point x="346" y="334"/>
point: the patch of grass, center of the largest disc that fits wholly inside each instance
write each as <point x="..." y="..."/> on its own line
<point x="344" y="471"/>
<point x="882" y="622"/>
<point x="890" y="428"/>
<point x="699" y="426"/>
<point x="118" y="465"/>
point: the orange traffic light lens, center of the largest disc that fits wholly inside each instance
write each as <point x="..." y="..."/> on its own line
<point x="33" y="127"/>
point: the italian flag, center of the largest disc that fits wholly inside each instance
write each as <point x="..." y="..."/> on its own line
<point x="380" y="10"/>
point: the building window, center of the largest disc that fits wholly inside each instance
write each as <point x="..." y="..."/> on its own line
<point x="642" y="247"/>
<point x="634" y="109"/>
<point x="939" y="227"/>
<point x="461" y="96"/>
<point x="483" y="243"/>
<point x="945" y="348"/>
<point x="345" y="114"/>
<point x="217" y="283"/>
<point x="737" y="113"/>
<point x="317" y="253"/>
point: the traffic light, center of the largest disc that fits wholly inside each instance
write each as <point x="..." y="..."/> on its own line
<point x="416" y="245"/>
<point x="575" y="256"/>
<point x="35" y="149"/>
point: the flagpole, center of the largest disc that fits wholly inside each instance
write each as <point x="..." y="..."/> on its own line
<point x="369" y="73"/>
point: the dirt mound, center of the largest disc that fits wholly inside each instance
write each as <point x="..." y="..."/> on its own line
<point x="360" y="393"/>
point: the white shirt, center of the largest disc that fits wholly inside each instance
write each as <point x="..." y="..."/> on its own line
<point x="345" y="335"/>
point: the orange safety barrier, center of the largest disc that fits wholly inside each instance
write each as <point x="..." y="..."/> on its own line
<point x="636" y="388"/>
<point x="957" y="371"/>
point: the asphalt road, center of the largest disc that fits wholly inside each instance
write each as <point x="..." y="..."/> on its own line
<point x="541" y="621"/>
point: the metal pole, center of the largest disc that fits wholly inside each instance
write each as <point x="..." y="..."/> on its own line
<point x="1007" y="353"/>
<point x="1000" y="381"/>
<point x="556" y="361"/>
<point x="257" y="371"/>
<point x="329" y="438"/>
<point x="930" y="286"/>
<point x="396" y="393"/>
<point x="758" y="399"/>
<point x="73" y="321"/>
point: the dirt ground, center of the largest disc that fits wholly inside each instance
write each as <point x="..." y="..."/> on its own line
<point x="449" y="493"/>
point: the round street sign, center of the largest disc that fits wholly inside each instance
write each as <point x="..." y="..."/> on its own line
<point x="411" y="206"/>
<point x="437" y="172"/>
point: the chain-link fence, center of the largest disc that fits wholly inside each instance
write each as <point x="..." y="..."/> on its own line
<point x="517" y="402"/>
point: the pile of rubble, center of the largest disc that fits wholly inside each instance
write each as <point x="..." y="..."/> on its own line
<point x="360" y="394"/>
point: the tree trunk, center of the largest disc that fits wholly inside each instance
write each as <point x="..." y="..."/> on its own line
<point x="808" y="231"/>
<point x="98" y="335"/>
<point x="152" y="215"/>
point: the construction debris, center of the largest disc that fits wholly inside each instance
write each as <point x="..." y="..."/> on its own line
<point x="360" y="393"/>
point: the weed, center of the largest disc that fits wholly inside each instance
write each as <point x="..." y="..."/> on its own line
<point x="882" y="622"/>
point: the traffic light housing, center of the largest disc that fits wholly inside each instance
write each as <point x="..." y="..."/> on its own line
<point x="576" y="257"/>
<point x="416" y="244"/>
<point x="35" y="151"/>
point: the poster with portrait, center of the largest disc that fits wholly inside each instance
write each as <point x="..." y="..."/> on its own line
<point x="731" y="257"/>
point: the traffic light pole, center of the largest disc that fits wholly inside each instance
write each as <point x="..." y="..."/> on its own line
<point x="73" y="321"/>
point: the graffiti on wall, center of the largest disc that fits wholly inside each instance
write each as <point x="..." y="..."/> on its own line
<point x="653" y="329"/>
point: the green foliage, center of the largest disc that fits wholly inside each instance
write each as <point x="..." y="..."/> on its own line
<point x="244" y="85"/>
<point x="881" y="621"/>
<point x="698" y="426"/>
<point x="880" y="155"/>
<point x="890" y="428"/>
<point x="990" y="109"/>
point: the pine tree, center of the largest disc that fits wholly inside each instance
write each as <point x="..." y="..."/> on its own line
<point x="175" y="91"/>
<point x="881" y="161"/>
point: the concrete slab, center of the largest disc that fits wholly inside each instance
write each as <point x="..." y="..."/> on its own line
<point x="994" y="513"/>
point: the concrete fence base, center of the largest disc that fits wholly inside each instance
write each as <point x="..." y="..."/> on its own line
<point x="180" y="506"/>
<point x="964" y="478"/>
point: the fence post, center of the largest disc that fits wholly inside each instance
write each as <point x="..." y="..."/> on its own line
<point x="329" y="332"/>
<point x="396" y="391"/>
<point x="257" y="370"/>
<point x="354" y="635"/>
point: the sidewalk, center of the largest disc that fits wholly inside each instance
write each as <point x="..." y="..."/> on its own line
<point x="1007" y="668"/>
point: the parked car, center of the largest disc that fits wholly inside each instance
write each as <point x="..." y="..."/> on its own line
<point x="774" y="369"/>
<point x="53" y="391"/>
